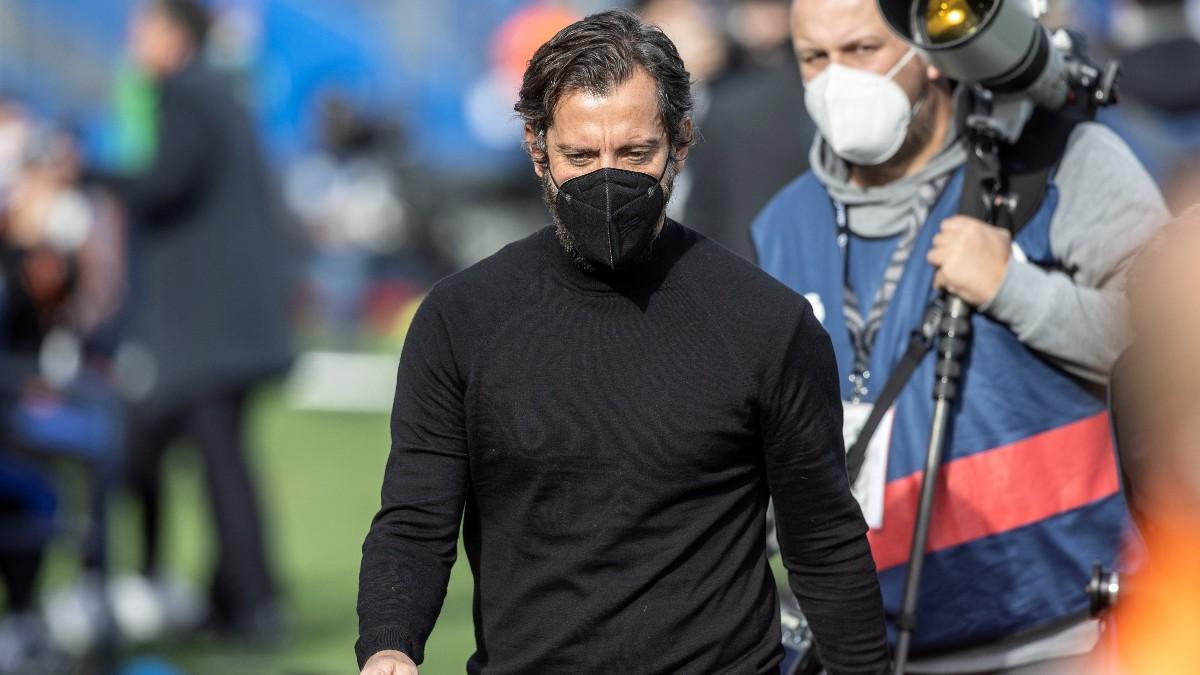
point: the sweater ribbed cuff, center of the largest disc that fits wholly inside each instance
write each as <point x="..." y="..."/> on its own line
<point x="382" y="640"/>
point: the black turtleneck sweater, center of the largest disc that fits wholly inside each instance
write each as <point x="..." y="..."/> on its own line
<point x="612" y="441"/>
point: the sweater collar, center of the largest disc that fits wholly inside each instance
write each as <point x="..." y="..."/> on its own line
<point x="668" y="248"/>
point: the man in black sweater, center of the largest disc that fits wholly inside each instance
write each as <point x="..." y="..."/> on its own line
<point x="611" y="401"/>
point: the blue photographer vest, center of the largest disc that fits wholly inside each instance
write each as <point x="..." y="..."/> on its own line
<point x="1028" y="497"/>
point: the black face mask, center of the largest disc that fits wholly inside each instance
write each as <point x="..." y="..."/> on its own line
<point x="611" y="214"/>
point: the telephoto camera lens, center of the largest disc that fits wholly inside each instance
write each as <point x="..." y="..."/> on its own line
<point x="997" y="44"/>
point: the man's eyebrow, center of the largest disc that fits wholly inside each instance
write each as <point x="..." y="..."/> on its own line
<point x="862" y="37"/>
<point x="575" y="149"/>
<point x="855" y="43"/>
<point x="640" y="144"/>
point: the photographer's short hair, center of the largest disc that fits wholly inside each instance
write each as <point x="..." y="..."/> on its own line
<point x="190" y="15"/>
<point x="595" y="54"/>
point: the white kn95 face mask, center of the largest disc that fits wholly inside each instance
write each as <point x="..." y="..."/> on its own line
<point x="863" y="116"/>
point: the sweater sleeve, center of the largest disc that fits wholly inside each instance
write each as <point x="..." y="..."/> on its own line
<point x="1108" y="206"/>
<point x="413" y="540"/>
<point x="822" y="534"/>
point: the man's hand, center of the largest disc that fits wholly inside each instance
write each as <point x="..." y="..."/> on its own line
<point x="971" y="258"/>
<point x="389" y="662"/>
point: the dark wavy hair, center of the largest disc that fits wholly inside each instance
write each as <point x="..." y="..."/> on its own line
<point x="596" y="54"/>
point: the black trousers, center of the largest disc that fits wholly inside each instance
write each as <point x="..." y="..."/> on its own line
<point x="214" y="426"/>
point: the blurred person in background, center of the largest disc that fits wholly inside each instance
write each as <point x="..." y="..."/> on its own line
<point x="746" y="84"/>
<point x="61" y="283"/>
<point x="759" y="30"/>
<point x="610" y="402"/>
<point x="694" y="26"/>
<point x="756" y="134"/>
<point x="870" y="236"/>
<point x="209" y="305"/>
<point x="347" y="195"/>
<point x="1156" y="414"/>
<point x="1159" y="113"/>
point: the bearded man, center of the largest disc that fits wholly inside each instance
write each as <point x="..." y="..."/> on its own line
<point x="611" y="402"/>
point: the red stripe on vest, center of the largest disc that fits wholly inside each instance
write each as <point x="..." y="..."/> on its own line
<point x="1001" y="489"/>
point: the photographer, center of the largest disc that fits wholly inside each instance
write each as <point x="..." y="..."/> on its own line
<point x="1028" y="492"/>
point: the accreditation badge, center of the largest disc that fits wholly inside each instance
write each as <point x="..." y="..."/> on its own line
<point x="868" y="489"/>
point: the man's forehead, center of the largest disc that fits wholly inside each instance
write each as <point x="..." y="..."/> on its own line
<point x="629" y="110"/>
<point x="833" y="22"/>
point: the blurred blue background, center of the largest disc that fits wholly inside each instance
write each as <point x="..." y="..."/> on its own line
<point x="432" y="66"/>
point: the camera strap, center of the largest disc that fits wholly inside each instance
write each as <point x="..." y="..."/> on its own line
<point x="919" y="343"/>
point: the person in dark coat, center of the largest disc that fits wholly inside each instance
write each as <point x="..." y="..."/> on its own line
<point x="755" y="140"/>
<point x="208" y="318"/>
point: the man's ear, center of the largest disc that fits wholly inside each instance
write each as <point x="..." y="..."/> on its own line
<point x="682" y="149"/>
<point x="536" y="155"/>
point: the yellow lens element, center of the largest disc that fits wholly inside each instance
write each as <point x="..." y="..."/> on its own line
<point x="949" y="20"/>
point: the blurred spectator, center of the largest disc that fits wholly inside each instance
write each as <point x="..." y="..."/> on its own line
<point x="61" y="270"/>
<point x="1159" y="113"/>
<point x="509" y="47"/>
<point x="27" y="499"/>
<point x="694" y="27"/>
<point x="347" y="195"/>
<point x="209" y="315"/>
<point x="759" y="29"/>
<point x="1156" y="391"/>
<point x="756" y="135"/>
